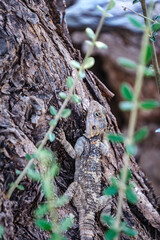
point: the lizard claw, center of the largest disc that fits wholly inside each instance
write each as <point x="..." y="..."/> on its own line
<point x="60" y="135"/>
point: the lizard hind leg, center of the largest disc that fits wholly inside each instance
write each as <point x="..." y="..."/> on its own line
<point x="104" y="205"/>
<point x="69" y="193"/>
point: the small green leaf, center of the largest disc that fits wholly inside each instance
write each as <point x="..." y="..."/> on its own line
<point x="89" y="63"/>
<point x="75" y="64"/>
<point x="100" y="9"/>
<point x="66" y="224"/>
<point x="149" y="104"/>
<point x="126" y="106"/>
<point x="116" y="138"/>
<point x="1" y="231"/>
<point x="51" y="137"/>
<point x="61" y="201"/>
<point x="135" y="21"/>
<point x="156" y="27"/>
<point x="43" y="224"/>
<point x="41" y="211"/>
<point x="90" y="33"/>
<point x="28" y="157"/>
<point x="70" y="82"/>
<point x="157" y="130"/>
<point x="149" y="72"/>
<point x="88" y="42"/>
<point x="149" y="53"/>
<point x="130" y="194"/>
<point x="126" y="91"/>
<point x="52" y="110"/>
<point x="81" y="74"/>
<point x="128" y="231"/>
<point x="66" y="113"/>
<point x="111" y="5"/>
<point x="109" y="220"/>
<point x="18" y="172"/>
<point x="57" y="236"/>
<point x="53" y="123"/>
<point x="131" y="149"/>
<point x="140" y="134"/>
<point x="76" y="99"/>
<point x="110" y="191"/>
<point x="53" y="171"/>
<point x="20" y="187"/>
<point x="33" y="174"/>
<point x="128" y="63"/>
<point x="101" y="45"/>
<point x="111" y="234"/>
<point x="63" y="95"/>
<point x="135" y="1"/>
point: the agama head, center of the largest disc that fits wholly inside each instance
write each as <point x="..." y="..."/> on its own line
<point x="96" y="119"/>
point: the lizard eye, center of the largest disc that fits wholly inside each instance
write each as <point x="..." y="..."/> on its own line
<point x="94" y="127"/>
<point x="97" y="114"/>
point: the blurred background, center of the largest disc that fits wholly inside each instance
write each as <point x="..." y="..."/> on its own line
<point x="123" y="40"/>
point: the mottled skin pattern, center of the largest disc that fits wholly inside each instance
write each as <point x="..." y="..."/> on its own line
<point x="86" y="188"/>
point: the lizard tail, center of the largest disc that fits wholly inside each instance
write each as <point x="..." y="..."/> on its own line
<point x="86" y="226"/>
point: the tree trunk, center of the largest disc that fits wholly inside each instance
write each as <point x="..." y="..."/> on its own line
<point x="36" y="51"/>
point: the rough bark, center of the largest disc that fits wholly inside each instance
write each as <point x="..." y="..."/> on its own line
<point x="35" y="61"/>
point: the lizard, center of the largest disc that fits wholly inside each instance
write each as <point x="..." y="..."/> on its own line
<point x="86" y="188"/>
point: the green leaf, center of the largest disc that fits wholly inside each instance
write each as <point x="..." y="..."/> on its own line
<point x="111" y="234"/>
<point x="126" y="91"/>
<point x="43" y="224"/>
<point x="90" y="33"/>
<point x="57" y="236"/>
<point x="18" y="172"/>
<point x="20" y="187"/>
<point x="1" y="231"/>
<point x="131" y="149"/>
<point x="149" y="104"/>
<point x="66" y="113"/>
<point x="149" y="54"/>
<point x="110" y="191"/>
<point x="81" y="74"/>
<point x="111" y="5"/>
<point x="28" y="157"/>
<point x="76" y="99"/>
<point x="61" y="201"/>
<point x="41" y="211"/>
<point x="128" y="231"/>
<point x="109" y="220"/>
<point x="130" y="194"/>
<point x="100" y="9"/>
<point x="149" y="72"/>
<point x="101" y="45"/>
<point x="140" y="134"/>
<point x="128" y="63"/>
<point x="66" y="223"/>
<point x="70" y="82"/>
<point x="88" y="42"/>
<point x="53" y="123"/>
<point x="126" y="106"/>
<point x="135" y="1"/>
<point x="135" y="21"/>
<point x="156" y="27"/>
<point x="89" y="63"/>
<point x="51" y="137"/>
<point x="117" y="138"/>
<point x="63" y="95"/>
<point x="75" y="64"/>
<point x="52" y="110"/>
<point x="157" y="130"/>
<point x="33" y="174"/>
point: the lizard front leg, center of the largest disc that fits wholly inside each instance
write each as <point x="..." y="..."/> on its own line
<point x="60" y="136"/>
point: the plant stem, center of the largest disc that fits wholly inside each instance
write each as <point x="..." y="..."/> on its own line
<point x="132" y="122"/>
<point x="58" y="116"/>
<point x="154" y="58"/>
